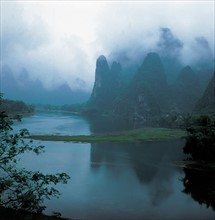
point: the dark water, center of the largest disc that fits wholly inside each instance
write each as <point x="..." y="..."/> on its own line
<point x="116" y="181"/>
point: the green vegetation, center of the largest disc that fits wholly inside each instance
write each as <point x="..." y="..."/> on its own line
<point x="200" y="185"/>
<point x="21" y="189"/>
<point x="201" y="139"/>
<point x="144" y="134"/>
<point x="14" y="108"/>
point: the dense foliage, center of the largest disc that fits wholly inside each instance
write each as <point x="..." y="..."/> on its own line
<point x="200" y="185"/>
<point x="15" y="107"/>
<point x="21" y="188"/>
<point x="201" y="139"/>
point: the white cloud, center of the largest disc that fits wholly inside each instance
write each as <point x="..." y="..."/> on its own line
<point x="59" y="41"/>
<point x="136" y="24"/>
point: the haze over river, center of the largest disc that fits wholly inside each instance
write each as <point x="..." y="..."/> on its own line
<point x="111" y="180"/>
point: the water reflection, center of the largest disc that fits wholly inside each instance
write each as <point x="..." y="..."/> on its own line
<point x="151" y="163"/>
<point x="111" y="180"/>
<point x="106" y="125"/>
<point x="200" y="185"/>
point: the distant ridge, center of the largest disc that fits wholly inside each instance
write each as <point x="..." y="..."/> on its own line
<point x="22" y="87"/>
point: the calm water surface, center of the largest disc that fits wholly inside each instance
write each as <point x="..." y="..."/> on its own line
<point x="111" y="180"/>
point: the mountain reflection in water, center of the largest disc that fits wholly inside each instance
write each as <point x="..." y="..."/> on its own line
<point x="150" y="161"/>
<point x="114" y="180"/>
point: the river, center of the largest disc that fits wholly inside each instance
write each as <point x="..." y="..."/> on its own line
<point x="112" y="180"/>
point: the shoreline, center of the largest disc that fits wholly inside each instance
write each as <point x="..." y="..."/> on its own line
<point x="137" y="135"/>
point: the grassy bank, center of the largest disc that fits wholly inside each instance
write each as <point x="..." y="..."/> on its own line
<point x="144" y="134"/>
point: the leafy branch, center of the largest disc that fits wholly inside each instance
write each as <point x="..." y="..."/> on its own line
<point x="21" y="188"/>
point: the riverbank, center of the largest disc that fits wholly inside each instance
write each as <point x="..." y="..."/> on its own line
<point x="143" y="134"/>
<point x="206" y="166"/>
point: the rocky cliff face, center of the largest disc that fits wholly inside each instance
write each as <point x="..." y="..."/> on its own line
<point x="100" y="86"/>
<point x="206" y="105"/>
<point x="106" y="86"/>
<point x="152" y="78"/>
<point x="146" y="96"/>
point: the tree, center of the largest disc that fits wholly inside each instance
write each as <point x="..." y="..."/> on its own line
<point x="21" y="188"/>
<point x="201" y="139"/>
<point x="200" y="185"/>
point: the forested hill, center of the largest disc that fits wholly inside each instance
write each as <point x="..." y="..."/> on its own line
<point x="13" y="108"/>
<point x="148" y="94"/>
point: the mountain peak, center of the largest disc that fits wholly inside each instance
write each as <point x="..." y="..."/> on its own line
<point x="116" y="66"/>
<point x="187" y="69"/>
<point x="187" y="75"/>
<point x="101" y="57"/>
<point x="152" y="62"/>
<point x="152" y="70"/>
<point x="102" y="62"/>
<point x="153" y="55"/>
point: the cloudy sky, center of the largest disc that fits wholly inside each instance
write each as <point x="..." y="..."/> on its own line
<point x="58" y="41"/>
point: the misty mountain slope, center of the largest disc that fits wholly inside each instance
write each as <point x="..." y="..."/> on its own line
<point x="186" y="90"/>
<point x="8" y="82"/>
<point x="206" y="105"/>
<point x="147" y="96"/>
<point x="205" y="75"/>
<point x="170" y="48"/>
<point x="167" y="45"/>
<point x="22" y="87"/>
<point x="107" y="85"/>
<point x="152" y="77"/>
<point x="148" y="93"/>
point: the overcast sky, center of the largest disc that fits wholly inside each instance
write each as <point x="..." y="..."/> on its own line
<point x="59" y="41"/>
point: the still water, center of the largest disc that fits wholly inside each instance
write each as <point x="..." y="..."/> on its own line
<point x="112" y="180"/>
